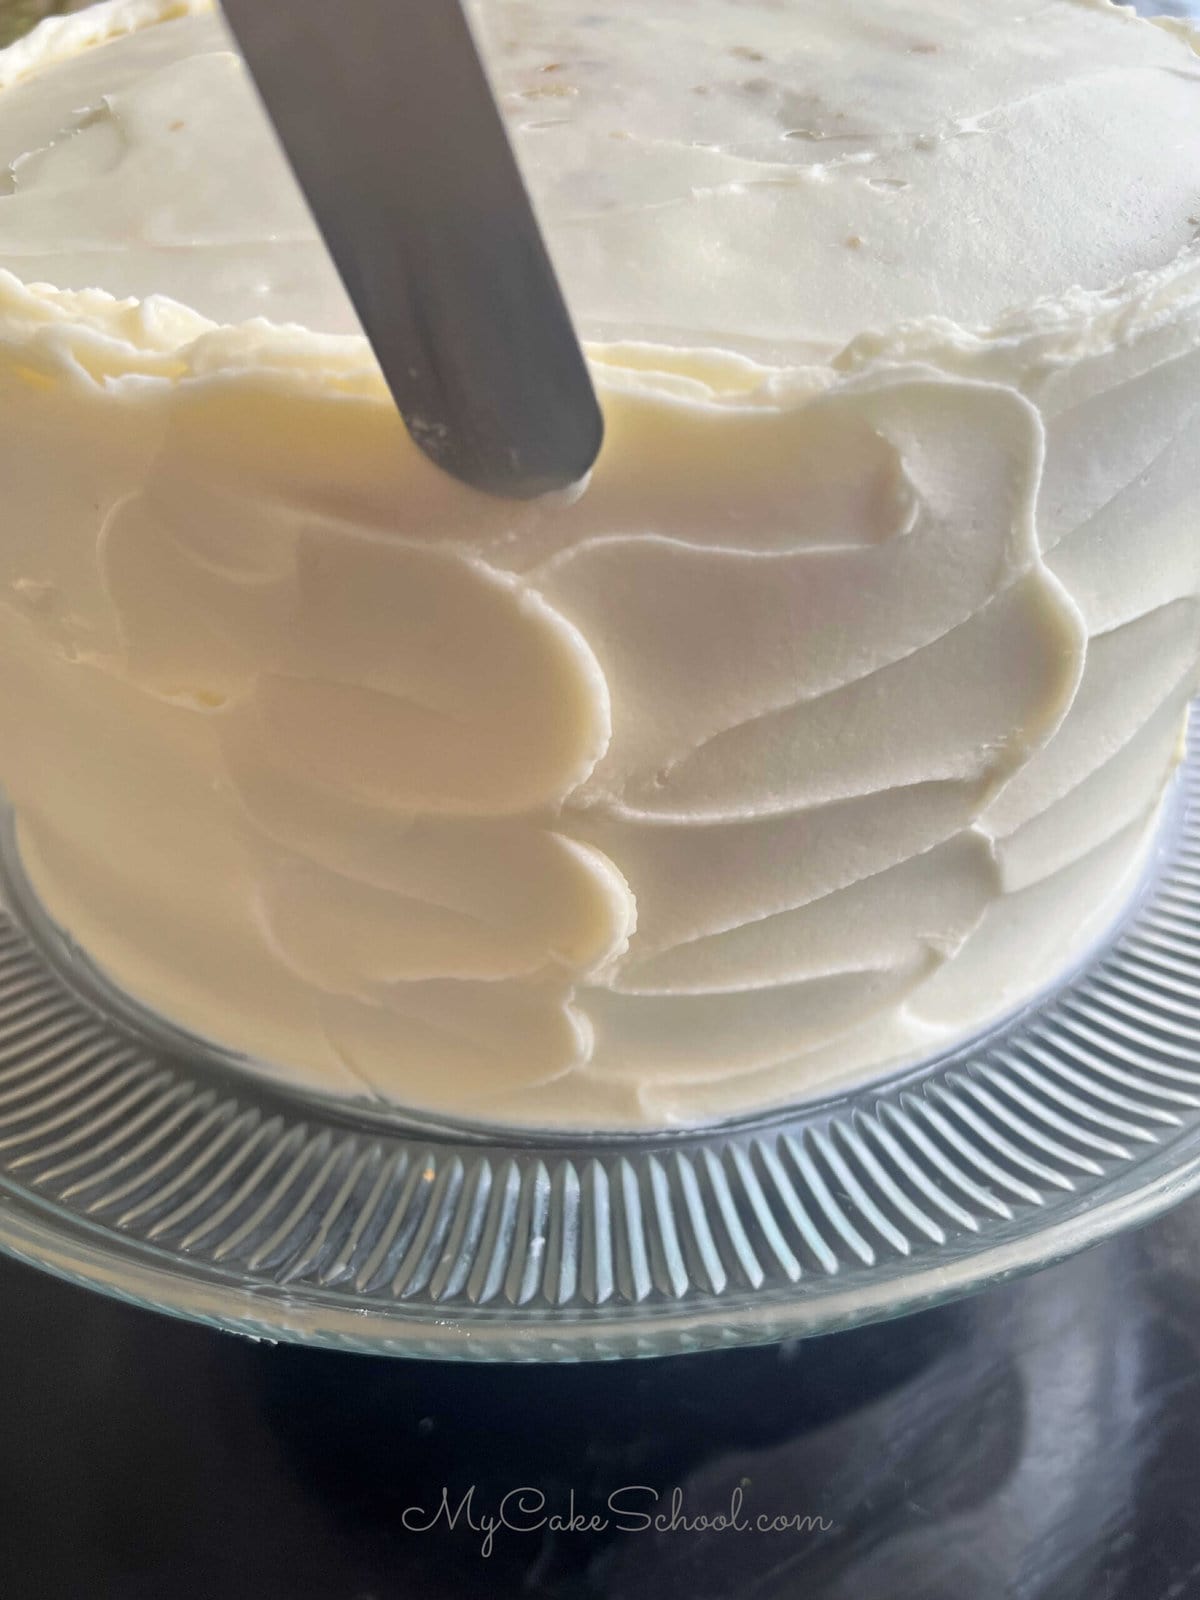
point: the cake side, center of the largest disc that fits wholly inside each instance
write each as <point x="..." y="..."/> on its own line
<point x="818" y="731"/>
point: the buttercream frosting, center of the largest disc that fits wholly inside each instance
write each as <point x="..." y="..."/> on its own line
<point x="825" y="725"/>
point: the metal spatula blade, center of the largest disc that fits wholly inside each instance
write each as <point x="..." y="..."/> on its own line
<point x="388" y="120"/>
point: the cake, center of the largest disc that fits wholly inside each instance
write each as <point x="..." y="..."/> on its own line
<point x="825" y="727"/>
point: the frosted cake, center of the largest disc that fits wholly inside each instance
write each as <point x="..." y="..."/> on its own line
<point x="828" y="724"/>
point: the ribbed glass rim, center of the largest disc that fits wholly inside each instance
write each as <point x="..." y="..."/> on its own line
<point x="135" y="1162"/>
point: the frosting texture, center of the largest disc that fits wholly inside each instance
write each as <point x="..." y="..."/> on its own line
<point x="825" y="726"/>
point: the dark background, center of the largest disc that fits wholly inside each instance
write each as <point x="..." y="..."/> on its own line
<point x="1038" y="1440"/>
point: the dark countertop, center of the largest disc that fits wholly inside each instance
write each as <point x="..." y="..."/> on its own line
<point x="1039" y="1440"/>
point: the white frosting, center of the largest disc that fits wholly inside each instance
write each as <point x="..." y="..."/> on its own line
<point x="823" y="728"/>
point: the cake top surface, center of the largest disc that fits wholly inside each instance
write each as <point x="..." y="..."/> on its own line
<point x="771" y="176"/>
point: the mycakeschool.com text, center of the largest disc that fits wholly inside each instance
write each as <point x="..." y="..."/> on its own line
<point x="632" y="1508"/>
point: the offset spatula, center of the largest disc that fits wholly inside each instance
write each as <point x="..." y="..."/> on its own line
<point x="388" y="120"/>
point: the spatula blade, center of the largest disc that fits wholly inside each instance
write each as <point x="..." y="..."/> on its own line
<point x="388" y="120"/>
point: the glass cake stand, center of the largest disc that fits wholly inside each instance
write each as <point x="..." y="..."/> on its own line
<point x="141" y="1162"/>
